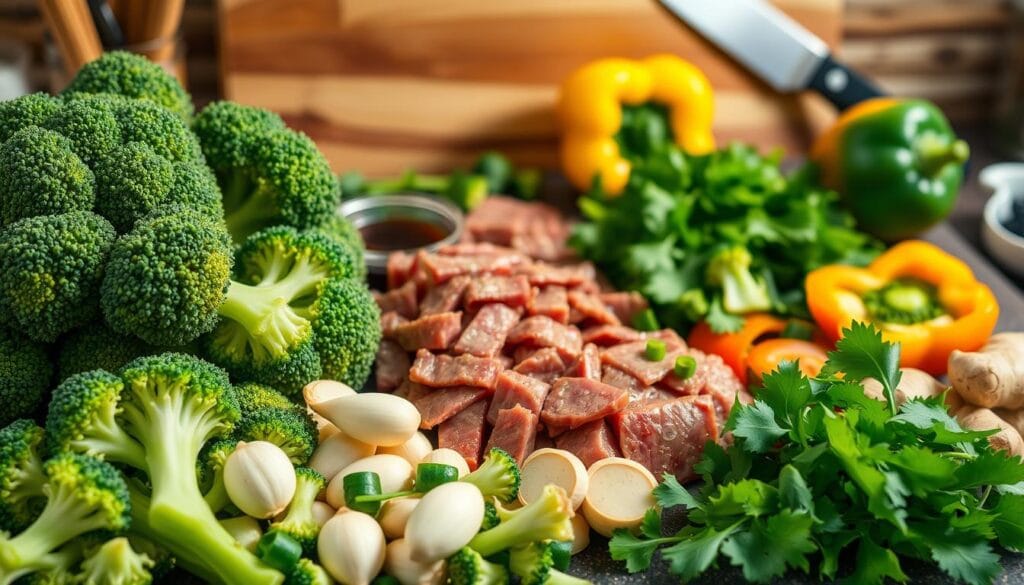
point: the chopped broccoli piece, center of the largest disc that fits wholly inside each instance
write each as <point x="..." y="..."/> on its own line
<point x="115" y="562"/>
<point x="291" y="429"/>
<point x="133" y="76"/>
<point x="468" y="567"/>
<point x="742" y="292"/>
<point x="306" y="572"/>
<point x="535" y="565"/>
<point x="28" y="110"/>
<point x="490" y="517"/>
<point x="497" y="476"/>
<point x="83" y="494"/>
<point x="343" y="232"/>
<point x="348" y="332"/>
<point x="25" y="374"/>
<point x="252" y="397"/>
<point x="131" y="181"/>
<point x="21" y="475"/>
<point x="94" y="346"/>
<point x="40" y="174"/>
<point x="546" y="518"/>
<point x="210" y="472"/>
<point x="298" y="521"/>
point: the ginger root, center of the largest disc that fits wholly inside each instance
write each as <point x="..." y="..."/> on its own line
<point x="983" y="419"/>
<point x="914" y="383"/>
<point x="992" y="377"/>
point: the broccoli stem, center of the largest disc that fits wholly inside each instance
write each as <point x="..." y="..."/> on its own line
<point x="547" y="518"/>
<point x="255" y="212"/>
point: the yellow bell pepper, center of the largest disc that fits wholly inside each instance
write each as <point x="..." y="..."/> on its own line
<point x="590" y="111"/>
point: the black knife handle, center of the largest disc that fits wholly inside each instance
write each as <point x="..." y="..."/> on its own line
<point x="842" y="86"/>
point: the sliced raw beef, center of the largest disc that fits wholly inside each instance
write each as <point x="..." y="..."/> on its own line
<point x="534" y="228"/>
<point x="543" y="364"/>
<point x="464" y="433"/>
<point x="566" y="276"/>
<point x="441" y="269"/>
<point x="515" y="388"/>
<point x="632" y="359"/>
<point x="400" y="267"/>
<point x="442" y="371"/>
<point x="513" y="291"/>
<point x="515" y="431"/>
<point x="485" y="335"/>
<point x="592" y="308"/>
<point x="591" y="442"/>
<point x="667" y="435"/>
<point x="543" y="441"/>
<point x="573" y="402"/>
<point x="619" y="379"/>
<point x="587" y="365"/>
<point x="666" y="335"/>
<point x="444" y="298"/>
<point x="541" y="243"/>
<point x="389" y="322"/>
<point x="550" y="301"/>
<point x="713" y="378"/>
<point x="430" y="332"/>
<point x="392" y="365"/>
<point x="439" y="405"/>
<point x="609" y="335"/>
<point x="541" y="331"/>
<point x="476" y="249"/>
<point x="625" y="305"/>
<point x="401" y="300"/>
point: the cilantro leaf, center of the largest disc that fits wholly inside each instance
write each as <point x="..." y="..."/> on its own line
<point x="748" y="497"/>
<point x="787" y="392"/>
<point x="756" y="425"/>
<point x="862" y="353"/>
<point x="650" y="526"/>
<point x="930" y="415"/>
<point x="636" y="551"/>
<point x="691" y="557"/>
<point x="923" y="469"/>
<point x="669" y="494"/>
<point x="876" y="564"/>
<point x="972" y="562"/>
<point x="771" y="545"/>
<point x="1009" y="522"/>
<point x="990" y="468"/>
<point x="793" y="491"/>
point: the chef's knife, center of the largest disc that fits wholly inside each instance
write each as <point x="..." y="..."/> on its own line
<point x="773" y="46"/>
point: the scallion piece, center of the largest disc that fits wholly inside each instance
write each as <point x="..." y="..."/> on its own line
<point x="362" y="483"/>
<point x="279" y="551"/>
<point x="655" y="351"/>
<point x="431" y="475"/>
<point x="685" y="367"/>
<point x="561" y="554"/>
<point x="645" y="320"/>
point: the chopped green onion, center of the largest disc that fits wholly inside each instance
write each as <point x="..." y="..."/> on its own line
<point x="685" y="367"/>
<point x="655" y="350"/>
<point x="646" y="321"/>
<point x="431" y="475"/>
<point x="561" y="554"/>
<point x="278" y="550"/>
<point x="362" y="483"/>
<point x="797" y="329"/>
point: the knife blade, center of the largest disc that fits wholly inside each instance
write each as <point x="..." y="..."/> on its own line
<point x="774" y="47"/>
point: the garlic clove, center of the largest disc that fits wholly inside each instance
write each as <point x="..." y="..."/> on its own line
<point x="351" y="547"/>
<point x="259" y="479"/>
<point x="400" y="565"/>
<point x="379" y="419"/>
<point x="395" y="475"/>
<point x="445" y="520"/>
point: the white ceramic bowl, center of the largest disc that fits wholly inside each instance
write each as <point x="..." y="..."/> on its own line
<point x="1007" y="183"/>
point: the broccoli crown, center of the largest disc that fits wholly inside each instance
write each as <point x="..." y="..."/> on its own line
<point x="132" y="180"/>
<point x="94" y="346"/>
<point x="25" y="374"/>
<point x="166" y="278"/>
<point x="276" y="253"/>
<point x="345" y="233"/>
<point x="546" y="518"/>
<point x="468" y="567"/>
<point x="194" y="186"/>
<point x="290" y="429"/>
<point x="130" y="75"/>
<point x="299" y="522"/>
<point x="252" y="397"/>
<point x="25" y="111"/>
<point x="741" y="291"/>
<point x="498" y="476"/>
<point x="50" y="271"/>
<point x="268" y="174"/>
<point x="21" y="475"/>
<point x="40" y="174"/>
<point x="83" y="419"/>
<point x="117" y="563"/>
<point x="347" y="334"/>
<point x="91" y="124"/>
<point x="306" y="572"/>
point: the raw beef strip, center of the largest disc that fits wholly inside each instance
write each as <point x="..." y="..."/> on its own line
<point x="592" y="308"/>
<point x="567" y="276"/>
<point x="439" y="405"/>
<point x="441" y="269"/>
<point x="407" y="389"/>
<point x="667" y="335"/>
<point x="475" y="249"/>
<point x="619" y="379"/>
<point x="389" y="323"/>
<point x="515" y="431"/>
<point x="485" y="335"/>
<point x="501" y="219"/>
<point x="544" y="365"/>
<point x="608" y="335"/>
<point x="667" y="435"/>
<point x="625" y="305"/>
<point x="576" y="316"/>
<point x="430" y="332"/>
<point x="401" y="300"/>
<point x="541" y="331"/>
<point x="587" y="365"/>
<point x="444" y="298"/>
<point x="464" y="433"/>
<point x="400" y="267"/>
<point x="575" y="401"/>
<point x="543" y="442"/>
<point x="632" y="359"/>
<point x="650" y="393"/>
<point x="513" y="291"/>
<point x="442" y="371"/>
<point x="712" y="377"/>
<point x="551" y="301"/>
<point x="543" y="244"/>
<point x="591" y="442"/>
<point x="515" y="388"/>
<point x="392" y="365"/>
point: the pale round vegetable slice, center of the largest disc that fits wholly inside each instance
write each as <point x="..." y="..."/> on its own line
<point x="448" y="457"/>
<point x="399" y="564"/>
<point x="245" y="529"/>
<point x="619" y="494"/>
<point x="379" y="419"/>
<point x="338" y="452"/>
<point x="351" y="547"/>
<point x="581" y="534"/>
<point x="553" y="466"/>
<point x="394" y="516"/>
<point x="259" y="479"/>
<point x="395" y="475"/>
<point x="445" y="520"/>
<point x="414" y="450"/>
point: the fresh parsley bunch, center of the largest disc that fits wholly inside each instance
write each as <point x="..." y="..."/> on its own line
<point x="819" y="471"/>
<point x="716" y="236"/>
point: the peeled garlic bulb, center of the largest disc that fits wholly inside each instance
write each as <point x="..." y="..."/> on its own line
<point x="445" y="520"/>
<point x="259" y="479"/>
<point x="351" y="547"/>
<point x="378" y="419"/>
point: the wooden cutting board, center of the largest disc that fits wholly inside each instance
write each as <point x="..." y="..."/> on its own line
<point x="384" y="85"/>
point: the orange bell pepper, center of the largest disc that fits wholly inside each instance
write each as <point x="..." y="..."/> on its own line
<point x="766" y="356"/>
<point x="734" y="348"/>
<point x="918" y="295"/>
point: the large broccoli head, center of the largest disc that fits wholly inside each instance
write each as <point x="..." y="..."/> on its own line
<point x="94" y="346"/>
<point x="25" y="374"/>
<point x="130" y="75"/>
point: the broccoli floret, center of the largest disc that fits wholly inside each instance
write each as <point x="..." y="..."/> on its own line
<point x="468" y="567"/>
<point x="90" y="124"/>
<point x="211" y="472"/>
<point x="490" y="516"/>
<point x="173" y="404"/>
<point x="130" y="75"/>
<point x="27" y="110"/>
<point x="306" y="572"/>
<point x="115" y="562"/>
<point x="61" y="565"/>
<point x="40" y="174"/>
<point x="497" y="476"/>
<point x="546" y="518"/>
<point x="83" y="418"/>
<point x="50" y="271"/>
<point x="163" y="561"/>
<point x="94" y="346"/>
<point x="21" y="475"/>
<point x="131" y="181"/>
<point x="194" y="186"/>
<point x="25" y="374"/>
<point x="298" y="521"/>
<point x="290" y="429"/>
<point x="268" y="174"/>
<point x="82" y="494"/>
<point x="348" y="333"/>
<point x="742" y="293"/>
<point x="252" y="397"/>
<point x="535" y="565"/>
<point x="343" y="232"/>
